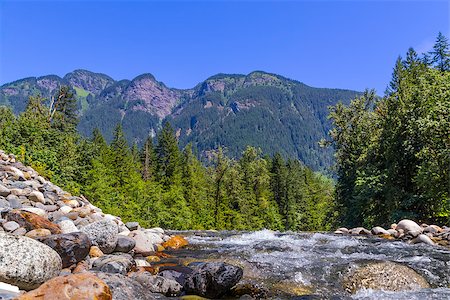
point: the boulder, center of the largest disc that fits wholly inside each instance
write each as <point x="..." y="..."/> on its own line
<point x="175" y="242"/>
<point x="95" y="252"/>
<point x="422" y="238"/>
<point x="120" y="264"/>
<point x="75" y="286"/>
<point x="102" y="234"/>
<point x="157" y="284"/>
<point x="143" y="245"/>
<point x="124" y="244"/>
<point x="409" y="227"/>
<point x="124" y="288"/>
<point x="25" y="262"/>
<point x="212" y="280"/>
<point x="35" y="210"/>
<point x="379" y="231"/>
<point x="72" y="247"/>
<point x="8" y="291"/>
<point x="31" y="221"/>
<point x="388" y="276"/>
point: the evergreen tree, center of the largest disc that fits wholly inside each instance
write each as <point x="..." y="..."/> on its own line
<point x="440" y="55"/>
<point x="169" y="157"/>
<point x="148" y="160"/>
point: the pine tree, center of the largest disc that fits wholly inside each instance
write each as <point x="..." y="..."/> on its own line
<point x="169" y="157"/>
<point x="440" y="55"/>
<point x="148" y="160"/>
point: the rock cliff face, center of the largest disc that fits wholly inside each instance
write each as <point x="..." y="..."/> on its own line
<point x="59" y="246"/>
<point x="89" y="81"/>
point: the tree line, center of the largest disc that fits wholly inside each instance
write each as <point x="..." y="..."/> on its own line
<point x="393" y="153"/>
<point x="160" y="184"/>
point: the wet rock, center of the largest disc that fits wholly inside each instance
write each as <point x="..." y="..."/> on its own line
<point x="157" y="284"/>
<point x="25" y="262"/>
<point x="154" y="237"/>
<point x="392" y="232"/>
<point x="379" y="230"/>
<point x="65" y="209"/>
<point x="175" y="242"/>
<point x="342" y="229"/>
<point x="386" y="276"/>
<point x="124" y="244"/>
<point x="4" y="203"/>
<point x="31" y="221"/>
<point x="20" y="231"/>
<point x="143" y="245"/>
<point x="124" y="288"/>
<point x="213" y="280"/>
<point x="255" y="290"/>
<point x="75" y="286"/>
<point x="102" y="234"/>
<point x="359" y="230"/>
<point x="422" y="238"/>
<point x="38" y="233"/>
<point x="72" y="247"/>
<point x="409" y="227"/>
<point x="120" y="264"/>
<point x="432" y="229"/>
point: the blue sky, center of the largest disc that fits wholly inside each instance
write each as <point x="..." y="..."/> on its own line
<point x="341" y="44"/>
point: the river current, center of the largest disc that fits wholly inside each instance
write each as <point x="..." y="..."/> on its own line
<point x="293" y="265"/>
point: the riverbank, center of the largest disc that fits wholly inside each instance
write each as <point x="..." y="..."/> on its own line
<point x="54" y="245"/>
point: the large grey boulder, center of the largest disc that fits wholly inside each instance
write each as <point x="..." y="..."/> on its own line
<point x="102" y="234"/>
<point x="25" y="262"/>
<point x="409" y="227"/>
<point x="388" y="276"/>
<point x="124" y="288"/>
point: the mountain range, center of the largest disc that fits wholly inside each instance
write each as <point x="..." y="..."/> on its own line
<point x="260" y="109"/>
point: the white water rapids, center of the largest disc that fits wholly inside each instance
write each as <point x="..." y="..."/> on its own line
<point x="315" y="263"/>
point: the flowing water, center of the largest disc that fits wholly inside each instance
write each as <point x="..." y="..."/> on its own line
<point x="290" y="264"/>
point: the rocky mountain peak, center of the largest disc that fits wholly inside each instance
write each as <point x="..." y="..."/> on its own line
<point x="147" y="94"/>
<point x="89" y="81"/>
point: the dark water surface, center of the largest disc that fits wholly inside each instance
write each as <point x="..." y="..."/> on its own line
<point x="291" y="264"/>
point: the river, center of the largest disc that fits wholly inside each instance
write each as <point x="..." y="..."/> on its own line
<point x="291" y="264"/>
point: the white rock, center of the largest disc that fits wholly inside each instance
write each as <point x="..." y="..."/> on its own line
<point x="142" y="263"/>
<point x="27" y="263"/>
<point x="157" y="229"/>
<point x="67" y="226"/>
<point x="422" y="238"/>
<point x="379" y="230"/>
<point x="37" y="196"/>
<point x="65" y="209"/>
<point x="154" y="238"/>
<point x="35" y="210"/>
<point x="410" y="227"/>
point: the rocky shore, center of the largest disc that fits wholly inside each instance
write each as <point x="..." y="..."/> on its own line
<point x="407" y="231"/>
<point x="54" y="245"/>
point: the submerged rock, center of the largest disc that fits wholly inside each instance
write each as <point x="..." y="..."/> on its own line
<point x="175" y="242"/>
<point x="388" y="276"/>
<point x="75" y="286"/>
<point x="212" y="280"/>
<point x="25" y="262"/>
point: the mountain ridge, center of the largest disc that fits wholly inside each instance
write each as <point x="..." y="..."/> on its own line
<point x="262" y="109"/>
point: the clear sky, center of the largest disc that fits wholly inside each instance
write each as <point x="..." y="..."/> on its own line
<point x="342" y="44"/>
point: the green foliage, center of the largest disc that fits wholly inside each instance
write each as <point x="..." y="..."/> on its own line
<point x="393" y="154"/>
<point x="161" y="185"/>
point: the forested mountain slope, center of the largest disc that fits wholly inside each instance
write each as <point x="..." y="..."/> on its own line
<point x="233" y="111"/>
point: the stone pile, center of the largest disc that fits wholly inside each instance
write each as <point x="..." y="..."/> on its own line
<point x="406" y="230"/>
<point x="54" y="245"/>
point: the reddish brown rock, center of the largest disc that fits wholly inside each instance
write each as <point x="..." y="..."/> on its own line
<point x="84" y="286"/>
<point x="31" y="221"/>
<point x="175" y="242"/>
